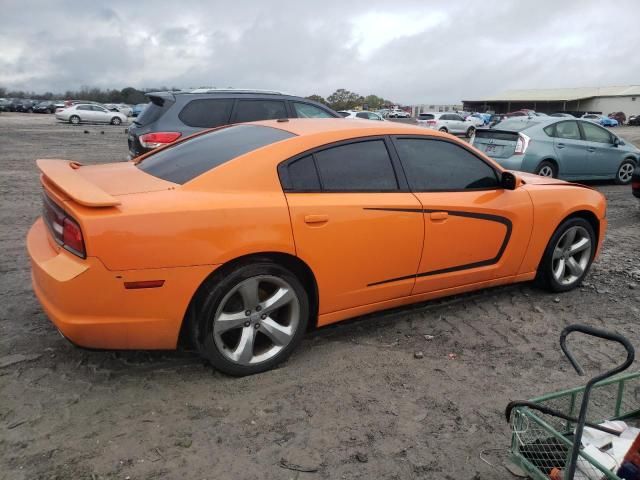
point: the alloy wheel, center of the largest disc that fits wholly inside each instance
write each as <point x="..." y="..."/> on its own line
<point x="256" y="320"/>
<point x="546" y="171"/>
<point x="571" y="255"/>
<point x="625" y="173"/>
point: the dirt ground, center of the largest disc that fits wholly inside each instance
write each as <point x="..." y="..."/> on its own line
<point x="352" y="402"/>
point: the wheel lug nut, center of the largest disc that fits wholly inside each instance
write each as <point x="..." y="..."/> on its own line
<point x="258" y="308"/>
<point x="247" y="313"/>
<point x="246" y="324"/>
<point x="257" y="325"/>
<point x="263" y="316"/>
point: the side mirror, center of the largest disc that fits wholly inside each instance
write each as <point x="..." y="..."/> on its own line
<point x="508" y="181"/>
<point x="616" y="141"/>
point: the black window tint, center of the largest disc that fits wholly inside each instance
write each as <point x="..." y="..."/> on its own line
<point x="594" y="133"/>
<point x="253" y="110"/>
<point x="362" y="115"/>
<point x="186" y="160"/>
<point x="361" y="166"/>
<point x="439" y="165"/>
<point x="303" y="174"/>
<point x="568" y="130"/>
<point x="206" y="113"/>
<point x="305" y="110"/>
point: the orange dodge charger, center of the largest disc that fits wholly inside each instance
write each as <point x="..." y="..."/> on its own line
<point x="239" y="239"/>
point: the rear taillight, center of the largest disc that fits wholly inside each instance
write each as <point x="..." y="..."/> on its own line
<point x="635" y="185"/>
<point x="522" y="144"/>
<point x="64" y="229"/>
<point x="158" y="139"/>
<point x="431" y="122"/>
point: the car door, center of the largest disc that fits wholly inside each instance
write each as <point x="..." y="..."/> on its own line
<point x="458" y="125"/>
<point x="354" y="223"/>
<point x="475" y="231"/>
<point x="85" y="113"/>
<point x="603" y="157"/>
<point x="571" y="149"/>
<point x="100" y="114"/>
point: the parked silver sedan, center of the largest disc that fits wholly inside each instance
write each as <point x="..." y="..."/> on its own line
<point x="90" y="113"/>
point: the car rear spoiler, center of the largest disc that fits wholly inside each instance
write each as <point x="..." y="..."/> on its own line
<point x="62" y="174"/>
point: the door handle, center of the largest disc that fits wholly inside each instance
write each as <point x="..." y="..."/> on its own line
<point x="439" y="215"/>
<point x="591" y="149"/>
<point x="315" y="219"/>
<point x="560" y="145"/>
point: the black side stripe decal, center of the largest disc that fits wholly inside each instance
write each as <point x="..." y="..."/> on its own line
<point x="456" y="213"/>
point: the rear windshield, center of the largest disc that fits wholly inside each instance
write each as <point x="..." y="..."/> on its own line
<point x="426" y="116"/>
<point x="187" y="160"/>
<point x="514" y="125"/>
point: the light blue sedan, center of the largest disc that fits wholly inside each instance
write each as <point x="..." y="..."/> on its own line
<point x="559" y="147"/>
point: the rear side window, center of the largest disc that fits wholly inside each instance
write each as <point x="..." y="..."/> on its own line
<point x="206" y="113"/>
<point x="189" y="159"/>
<point x="568" y="130"/>
<point x="426" y="116"/>
<point x="362" y="166"/>
<point x="303" y="174"/>
<point x="305" y="110"/>
<point x="362" y="115"/>
<point x="433" y="165"/>
<point x="253" y="110"/>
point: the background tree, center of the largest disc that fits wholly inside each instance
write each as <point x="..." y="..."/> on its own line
<point x="343" y="99"/>
<point x="318" y="98"/>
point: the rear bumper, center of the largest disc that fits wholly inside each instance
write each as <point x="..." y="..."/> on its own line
<point x="91" y="306"/>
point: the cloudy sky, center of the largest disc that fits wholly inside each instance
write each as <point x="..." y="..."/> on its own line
<point x="408" y="51"/>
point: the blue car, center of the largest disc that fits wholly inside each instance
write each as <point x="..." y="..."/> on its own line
<point x="601" y="119"/>
<point x="560" y="148"/>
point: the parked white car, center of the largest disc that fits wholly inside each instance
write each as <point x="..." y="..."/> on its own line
<point x="446" y="122"/>
<point x="398" y="114"/>
<point x="366" y="115"/>
<point x="90" y="113"/>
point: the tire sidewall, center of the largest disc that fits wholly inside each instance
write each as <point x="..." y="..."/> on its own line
<point x="546" y="270"/>
<point x="209" y="301"/>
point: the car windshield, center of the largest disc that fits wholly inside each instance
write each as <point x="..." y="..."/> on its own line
<point x="186" y="160"/>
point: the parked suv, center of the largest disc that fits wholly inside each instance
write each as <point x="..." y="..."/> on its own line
<point x="447" y="122"/>
<point x="172" y="115"/>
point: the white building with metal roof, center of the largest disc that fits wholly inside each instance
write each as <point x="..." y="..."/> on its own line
<point x="582" y="99"/>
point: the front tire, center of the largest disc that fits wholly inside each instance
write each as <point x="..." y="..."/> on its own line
<point x="443" y="130"/>
<point x="547" y="169"/>
<point x="74" y="120"/>
<point x="116" y="121"/>
<point x="470" y="132"/>
<point x="251" y="319"/>
<point x="625" y="172"/>
<point x="568" y="256"/>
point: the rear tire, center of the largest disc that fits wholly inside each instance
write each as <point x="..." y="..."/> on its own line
<point x="568" y="256"/>
<point x="443" y="129"/>
<point x="547" y="169"/>
<point x="239" y="344"/>
<point x="74" y="120"/>
<point x="625" y="172"/>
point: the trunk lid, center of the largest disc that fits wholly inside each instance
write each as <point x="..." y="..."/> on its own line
<point x="98" y="185"/>
<point x="496" y="143"/>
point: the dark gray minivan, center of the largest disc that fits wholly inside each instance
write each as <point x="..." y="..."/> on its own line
<point x="173" y="115"/>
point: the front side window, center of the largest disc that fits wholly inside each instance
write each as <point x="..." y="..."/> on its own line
<point x="305" y="110"/>
<point x="436" y="165"/>
<point x="254" y="110"/>
<point x="188" y="159"/>
<point x="205" y="113"/>
<point x="568" y="130"/>
<point x="594" y="133"/>
<point x="360" y="167"/>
